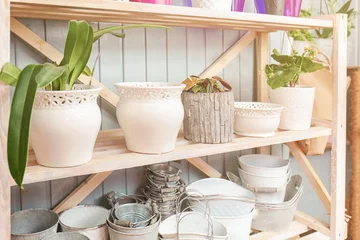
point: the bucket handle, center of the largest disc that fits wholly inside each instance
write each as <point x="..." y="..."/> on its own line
<point x="265" y="189"/>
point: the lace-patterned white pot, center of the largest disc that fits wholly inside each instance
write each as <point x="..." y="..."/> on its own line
<point x="220" y="5"/>
<point x="257" y="119"/>
<point x="65" y="125"/>
<point x="298" y="105"/>
<point x="150" y="115"/>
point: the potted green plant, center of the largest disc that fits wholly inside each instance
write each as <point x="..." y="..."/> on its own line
<point x="208" y="110"/>
<point x="283" y="79"/>
<point x="61" y="117"/>
<point x="322" y="38"/>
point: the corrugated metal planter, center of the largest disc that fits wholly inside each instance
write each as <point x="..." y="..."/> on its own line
<point x="209" y="117"/>
<point x="66" y="236"/>
<point x="89" y="220"/>
<point x="33" y="224"/>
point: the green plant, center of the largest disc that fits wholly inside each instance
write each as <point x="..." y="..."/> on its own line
<point x="332" y="5"/>
<point x="289" y="69"/>
<point x="303" y="35"/>
<point x="206" y="85"/>
<point x="50" y="76"/>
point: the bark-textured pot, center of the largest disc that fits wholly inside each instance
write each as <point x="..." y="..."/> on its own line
<point x="65" y="125"/>
<point x="150" y="115"/>
<point x="220" y="5"/>
<point x="273" y="7"/>
<point x="209" y="117"/>
<point x="33" y="224"/>
<point x="298" y="105"/>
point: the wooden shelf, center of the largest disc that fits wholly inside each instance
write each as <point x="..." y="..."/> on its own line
<point x="122" y="12"/>
<point x="111" y="153"/>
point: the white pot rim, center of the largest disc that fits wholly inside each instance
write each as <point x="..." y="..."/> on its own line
<point x="92" y="88"/>
<point x="267" y="106"/>
<point x="150" y="85"/>
<point x="299" y="87"/>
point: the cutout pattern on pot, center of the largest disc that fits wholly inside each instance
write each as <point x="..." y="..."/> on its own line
<point x="61" y="99"/>
<point x="251" y="109"/>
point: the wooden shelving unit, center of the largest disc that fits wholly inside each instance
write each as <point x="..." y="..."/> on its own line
<point x="110" y="152"/>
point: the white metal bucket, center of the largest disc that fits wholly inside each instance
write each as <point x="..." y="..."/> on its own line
<point x="278" y="217"/>
<point x="264" y="165"/>
<point x="66" y="236"/>
<point x="89" y="220"/>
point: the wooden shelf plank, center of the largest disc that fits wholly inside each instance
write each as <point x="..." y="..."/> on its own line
<point x="111" y="153"/>
<point x="122" y="12"/>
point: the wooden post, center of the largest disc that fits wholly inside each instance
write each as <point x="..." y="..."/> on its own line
<point x="338" y="154"/>
<point x="262" y="58"/>
<point x="4" y="119"/>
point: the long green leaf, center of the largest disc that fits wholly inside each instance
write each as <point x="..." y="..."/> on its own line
<point x="85" y="55"/>
<point x="49" y="73"/>
<point x="19" y="123"/>
<point x="10" y="74"/>
<point x="70" y="41"/>
<point x="80" y="44"/>
<point x="87" y="71"/>
<point x="101" y="32"/>
<point x="344" y="9"/>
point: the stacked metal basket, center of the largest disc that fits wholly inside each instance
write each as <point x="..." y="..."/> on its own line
<point x="164" y="186"/>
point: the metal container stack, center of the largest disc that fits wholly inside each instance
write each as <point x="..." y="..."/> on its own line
<point x="164" y="186"/>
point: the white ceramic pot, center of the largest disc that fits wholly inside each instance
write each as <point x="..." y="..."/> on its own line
<point x="64" y="126"/>
<point x="219" y="5"/>
<point x="150" y="115"/>
<point x="298" y="105"/>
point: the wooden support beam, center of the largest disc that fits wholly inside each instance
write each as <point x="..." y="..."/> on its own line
<point x="311" y="175"/>
<point x="205" y="168"/>
<point x="262" y="89"/>
<point x="4" y="121"/>
<point x="338" y="152"/>
<point x="313" y="223"/>
<point x="229" y="55"/>
<point x="50" y="52"/>
<point x="82" y="191"/>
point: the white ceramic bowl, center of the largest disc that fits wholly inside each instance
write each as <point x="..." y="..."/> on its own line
<point x="264" y="165"/>
<point x="256" y="119"/>
<point x="222" y="187"/>
<point x="191" y="225"/>
<point x="258" y="181"/>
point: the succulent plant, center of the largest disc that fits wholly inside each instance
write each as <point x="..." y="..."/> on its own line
<point x="214" y="84"/>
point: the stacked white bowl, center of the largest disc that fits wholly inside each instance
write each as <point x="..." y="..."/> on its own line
<point x="265" y="175"/>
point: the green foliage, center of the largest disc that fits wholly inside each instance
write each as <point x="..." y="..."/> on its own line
<point x="210" y="85"/>
<point x="303" y="35"/>
<point x="50" y="76"/>
<point x="287" y="72"/>
<point x="344" y="9"/>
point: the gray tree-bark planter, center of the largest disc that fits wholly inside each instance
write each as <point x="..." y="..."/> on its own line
<point x="209" y="117"/>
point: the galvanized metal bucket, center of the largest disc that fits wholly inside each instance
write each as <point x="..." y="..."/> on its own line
<point x="89" y="220"/>
<point x="33" y="224"/>
<point x="66" y="236"/>
<point x="136" y="234"/>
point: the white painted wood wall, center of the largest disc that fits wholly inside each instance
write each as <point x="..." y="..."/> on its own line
<point x="154" y="55"/>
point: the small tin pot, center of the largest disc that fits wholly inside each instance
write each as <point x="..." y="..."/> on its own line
<point x="89" y="220"/>
<point x="33" y="224"/>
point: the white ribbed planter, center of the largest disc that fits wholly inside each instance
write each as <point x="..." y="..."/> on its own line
<point x="64" y="126"/>
<point x="298" y="105"/>
<point x="220" y="5"/>
<point x="150" y="115"/>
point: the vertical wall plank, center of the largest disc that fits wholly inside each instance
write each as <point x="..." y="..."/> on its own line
<point x="35" y="195"/>
<point x="156" y="57"/>
<point x="195" y="65"/>
<point x="111" y="71"/>
<point x="4" y="113"/>
<point x="56" y="32"/>
<point x="134" y="71"/>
